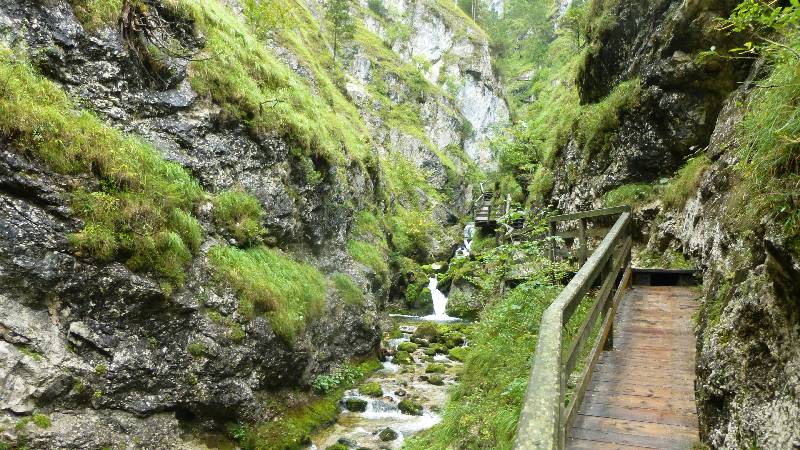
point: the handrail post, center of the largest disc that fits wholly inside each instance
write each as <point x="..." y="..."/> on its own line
<point x="583" y="250"/>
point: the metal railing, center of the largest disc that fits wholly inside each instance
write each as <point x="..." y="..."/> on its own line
<point x="546" y="416"/>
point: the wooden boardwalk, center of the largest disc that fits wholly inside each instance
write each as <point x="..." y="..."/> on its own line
<point x="642" y="392"/>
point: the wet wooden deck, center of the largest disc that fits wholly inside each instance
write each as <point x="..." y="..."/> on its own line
<point x="642" y="392"/>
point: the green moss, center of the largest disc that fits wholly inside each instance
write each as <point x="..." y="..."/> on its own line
<point x="369" y="255"/>
<point x="435" y="368"/>
<point x="410" y="407"/>
<point x="41" y="420"/>
<point x="291" y="292"/>
<point x="403" y="357"/>
<point x="630" y="194"/>
<point x="197" y="349"/>
<point x="350" y="292"/>
<point x="101" y="369"/>
<point x="409" y="347"/>
<point x="371" y="389"/>
<point x="436" y="380"/>
<point x="685" y="182"/>
<point x="458" y="354"/>
<point x="94" y="14"/>
<point x="142" y="208"/>
<point x="240" y="214"/>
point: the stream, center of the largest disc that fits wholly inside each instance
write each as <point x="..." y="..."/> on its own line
<point x="381" y="424"/>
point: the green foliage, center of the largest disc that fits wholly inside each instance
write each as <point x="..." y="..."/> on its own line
<point x="240" y="214"/>
<point x="409" y="347"/>
<point x="142" y="209"/>
<point x="769" y="152"/>
<point x="484" y="406"/>
<point x="291" y="292"/>
<point x="369" y="255"/>
<point x="343" y="25"/>
<point x="345" y="375"/>
<point x="763" y="20"/>
<point x="597" y="121"/>
<point x="263" y="16"/>
<point x="350" y="292"/>
<point x="101" y="369"/>
<point x="254" y="87"/>
<point x="41" y="420"/>
<point x="412" y="232"/>
<point x="94" y="14"/>
<point x="435" y="368"/>
<point x="630" y="194"/>
<point x="685" y="182"/>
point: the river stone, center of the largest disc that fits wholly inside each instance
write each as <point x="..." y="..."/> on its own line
<point x="355" y="404"/>
<point x="387" y="435"/>
<point x="403" y="358"/>
<point x="410" y="407"/>
<point x="409" y="347"/>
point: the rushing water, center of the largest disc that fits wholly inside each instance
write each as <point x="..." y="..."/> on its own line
<point x="362" y="429"/>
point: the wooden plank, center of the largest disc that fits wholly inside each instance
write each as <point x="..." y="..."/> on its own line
<point x="633" y="427"/>
<point x="682" y="419"/>
<point x="661" y="442"/>
<point x="643" y="391"/>
<point x="636" y="401"/>
<point x="581" y="444"/>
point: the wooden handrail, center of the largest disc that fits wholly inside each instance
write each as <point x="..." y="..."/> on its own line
<point x="544" y="419"/>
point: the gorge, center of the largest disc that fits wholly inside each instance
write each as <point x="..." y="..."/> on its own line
<point x="220" y="220"/>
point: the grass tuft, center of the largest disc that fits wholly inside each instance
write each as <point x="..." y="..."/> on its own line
<point x="240" y="214"/>
<point x="289" y="291"/>
<point x="350" y="292"/>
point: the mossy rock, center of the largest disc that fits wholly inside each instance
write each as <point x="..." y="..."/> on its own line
<point x="464" y="302"/>
<point x="436" y="349"/>
<point x="403" y="358"/>
<point x="458" y="354"/>
<point x="409" y="347"/>
<point x="388" y="434"/>
<point x="422" y="342"/>
<point x="436" y="380"/>
<point x="395" y="333"/>
<point x="427" y="331"/>
<point x="435" y="368"/>
<point x="337" y="447"/>
<point x="425" y="299"/>
<point x="371" y="389"/>
<point x="410" y="407"/>
<point x="355" y="404"/>
<point x="454" y="339"/>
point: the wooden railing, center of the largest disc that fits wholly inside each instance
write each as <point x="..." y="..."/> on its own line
<point x="546" y="416"/>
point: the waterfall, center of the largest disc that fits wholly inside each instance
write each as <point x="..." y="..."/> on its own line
<point x="439" y="299"/>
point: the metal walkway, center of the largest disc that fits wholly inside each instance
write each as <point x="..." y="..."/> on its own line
<point x="641" y="393"/>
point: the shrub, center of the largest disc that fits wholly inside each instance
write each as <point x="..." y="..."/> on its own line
<point x="350" y="292"/>
<point x="240" y="213"/>
<point x="412" y="232"/>
<point x="291" y="292"/>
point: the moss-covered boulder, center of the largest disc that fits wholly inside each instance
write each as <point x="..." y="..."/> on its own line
<point x="427" y="330"/>
<point x="410" y="407"/>
<point x="409" y="347"/>
<point x="464" y="301"/>
<point x="436" y="379"/>
<point x="337" y="447"/>
<point x="355" y="404"/>
<point x="436" y="349"/>
<point x="457" y="354"/>
<point x="371" y="389"/>
<point x="403" y="358"/>
<point x="454" y="339"/>
<point x="388" y="434"/>
<point x="435" y="368"/>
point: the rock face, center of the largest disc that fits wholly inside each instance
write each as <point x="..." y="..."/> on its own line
<point x="675" y="113"/>
<point x="107" y="354"/>
<point x="748" y="364"/>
